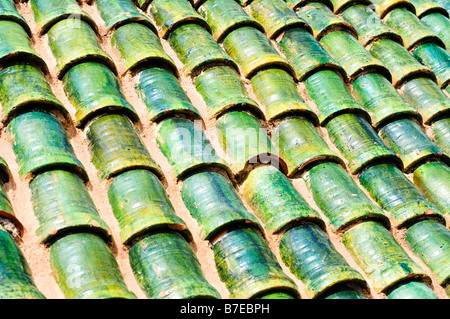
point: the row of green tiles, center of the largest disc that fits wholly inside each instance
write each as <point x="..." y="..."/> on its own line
<point x="322" y="19"/>
<point x="359" y="18"/>
<point x="65" y="144"/>
<point x="363" y="85"/>
<point x="99" y="134"/>
<point x="411" y="33"/>
<point x="420" y="6"/>
<point x="14" y="270"/>
<point x="320" y="25"/>
<point x="368" y="95"/>
<point x="382" y="7"/>
<point x="62" y="205"/>
<point x="185" y="49"/>
<point x="408" y="155"/>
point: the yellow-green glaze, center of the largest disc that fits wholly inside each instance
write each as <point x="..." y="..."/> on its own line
<point x="141" y="205"/>
<point x="412" y="290"/>
<point x="248" y="267"/>
<point x="93" y="89"/>
<point x="275" y="201"/>
<point x="223" y="16"/>
<point x="439" y="24"/>
<point x="381" y="100"/>
<point x="16" y="46"/>
<point x="425" y="7"/>
<point x="245" y="142"/>
<point x="166" y="268"/>
<point x="116" y="13"/>
<point x="305" y="54"/>
<point x="214" y="202"/>
<point x="396" y="194"/>
<point x="312" y="258"/>
<point x="187" y="148"/>
<point x="8" y="11"/>
<point x="430" y="240"/>
<point x="15" y="274"/>
<point x="424" y="94"/>
<point x="368" y="25"/>
<point x="116" y="146"/>
<point x="340" y="198"/>
<point x="163" y="95"/>
<point x="299" y="144"/>
<point x="322" y="20"/>
<point x="197" y="49"/>
<point x="383" y="7"/>
<point x="47" y="13"/>
<point x="222" y="90"/>
<point x="380" y="256"/>
<point x="41" y="144"/>
<point x="276" y="90"/>
<point x="433" y="179"/>
<point x="410" y="141"/>
<point x="437" y="59"/>
<point x="353" y="57"/>
<point x="170" y="15"/>
<point x="275" y="16"/>
<point x="441" y="134"/>
<point x="139" y="46"/>
<point x="23" y="87"/>
<point x="61" y="203"/>
<point x="399" y="61"/>
<point x="331" y="95"/>
<point x="74" y="41"/>
<point x="358" y="142"/>
<point x="410" y="28"/>
<point x="340" y="5"/>
<point x="84" y="268"/>
<point x="258" y="52"/>
<point x="143" y="4"/>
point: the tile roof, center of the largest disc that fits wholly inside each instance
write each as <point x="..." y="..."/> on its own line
<point x="225" y="149"/>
